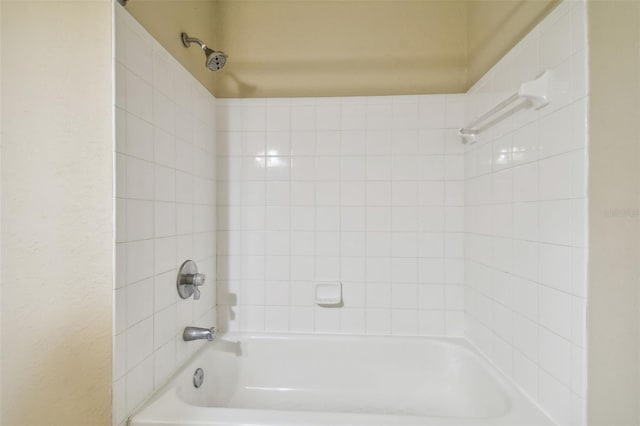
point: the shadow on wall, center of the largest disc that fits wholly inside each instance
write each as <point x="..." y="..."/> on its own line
<point x="386" y="74"/>
<point x="225" y="308"/>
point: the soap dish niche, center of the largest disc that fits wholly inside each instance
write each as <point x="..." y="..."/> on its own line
<point x="328" y="294"/>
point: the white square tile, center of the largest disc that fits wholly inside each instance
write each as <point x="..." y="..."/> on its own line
<point x="378" y="143"/>
<point x="164" y="184"/>
<point x="406" y="168"/>
<point x="378" y="321"/>
<point x="431" y="115"/>
<point x="555" y="356"/>
<point x="139" y="138"/>
<point x="277" y="318"/>
<point x="278" y="143"/>
<point x="404" y="193"/>
<point x="278" y="117"/>
<point x="404" y="322"/>
<point x="378" y="168"/>
<point x="139" y="343"/>
<point x="139" y="179"/>
<point x="254" y="144"/>
<point x="303" y="143"/>
<point x="555" y="397"/>
<point x="139" y="384"/>
<point x="353" y="321"/>
<point x="353" y="168"/>
<point x="378" y="244"/>
<point x="431" y="297"/>
<point x="138" y="215"/>
<point x="164" y="363"/>
<point x="351" y="193"/>
<point x="555" y="266"/>
<point x="329" y="194"/>
<point x="431" y="323"/>
<point x="164" y="221"/>
<point x="352" y="116"/>
<point x="328" y="117"/>
<point x="139" y="301"/>
<point x="303" y="193"/>
<point x="525" y="337"/>
<point x="139" y="260"/>
<point x="354" y="294"/>
<point x="431" y="219"/>
<point x="352" y="243"/>
<point x="254" y="117"/>
<point x="301" y="319"/>
<point x="164" y="293"/>
<point x="164" y="254"/>
<point x="327" y="218"/>
<point x="163" y="112"/>
<point x="404" y="142"/>
<point x="555" y="311"/>
<point x="404" y="244"/>
<point x="302" y="117"/>
<point x="165" y="326"/>
<point x="525" y="374"/>
<point x="139" y="97"/>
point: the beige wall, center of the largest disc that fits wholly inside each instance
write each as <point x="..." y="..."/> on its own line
<point x="614" y="184"/>
<point x="166" y="19"/>
<point x="494" y="27"/>
<point x="57" y="214"/>
<point x="341" y="48"/>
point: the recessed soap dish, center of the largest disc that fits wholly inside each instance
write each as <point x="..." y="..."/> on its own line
<point x="328" y="293"/>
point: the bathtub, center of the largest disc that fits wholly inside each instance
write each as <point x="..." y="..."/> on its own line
<point x="322" y="380"/>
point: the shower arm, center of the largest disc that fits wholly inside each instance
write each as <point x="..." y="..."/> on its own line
<point x="186" y="41"/>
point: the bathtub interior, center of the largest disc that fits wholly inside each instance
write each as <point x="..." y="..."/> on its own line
<point x="373" y="375"/>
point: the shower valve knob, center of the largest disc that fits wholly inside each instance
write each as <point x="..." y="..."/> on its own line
<point x="189" y="280"/>
<point x="193" y="279"/>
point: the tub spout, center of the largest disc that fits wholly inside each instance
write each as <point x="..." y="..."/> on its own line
<point x="198" y="333"/>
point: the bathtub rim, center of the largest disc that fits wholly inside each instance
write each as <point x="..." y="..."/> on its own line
<point x="508" y="386"/>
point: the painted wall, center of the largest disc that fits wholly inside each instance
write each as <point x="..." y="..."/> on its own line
<point x="363" y="190"/>
<point x="351" y="48"/>
<point x="284" y="48"/>
<point x="525" y="220"/>
<point x="165" y="212"/>
<point x="614" y="200"/>
<point x="494" y="27"/>
<point x="57" y="212"/>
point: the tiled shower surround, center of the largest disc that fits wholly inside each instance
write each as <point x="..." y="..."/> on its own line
<point x="165" y="212"/>
<point x="525" y="220"/>
<point x="366" y="191"/>
<point x="427" y="236"/>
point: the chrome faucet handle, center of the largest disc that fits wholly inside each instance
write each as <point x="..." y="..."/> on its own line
<point x="193" y="279"/>
<point x="188" y="280"/>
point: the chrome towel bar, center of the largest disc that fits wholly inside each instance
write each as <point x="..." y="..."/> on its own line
<point x="535" y="92"/>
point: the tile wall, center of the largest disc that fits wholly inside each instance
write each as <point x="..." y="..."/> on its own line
<point x="366" y="190"/>
<point x="427" y="237"/>
<point x="165" y="211"/>
<point x="525" y="220"/>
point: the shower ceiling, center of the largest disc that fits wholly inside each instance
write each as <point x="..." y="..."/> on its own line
<point x="341" y="48"/>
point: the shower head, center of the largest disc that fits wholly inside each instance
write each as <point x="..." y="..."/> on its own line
<point x="215" y="59"/>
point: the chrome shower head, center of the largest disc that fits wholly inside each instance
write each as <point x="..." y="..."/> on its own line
<point x="215" y="59"/>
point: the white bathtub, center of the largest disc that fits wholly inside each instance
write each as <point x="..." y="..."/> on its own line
<point x="253" y="379"/>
